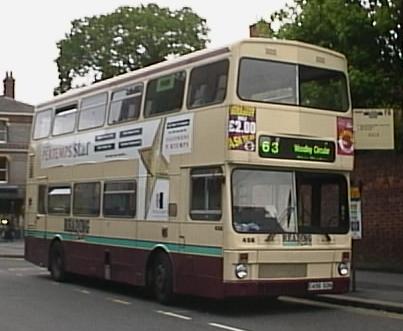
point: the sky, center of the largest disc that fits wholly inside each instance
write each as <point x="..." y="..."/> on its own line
<point x="29" y="31"/>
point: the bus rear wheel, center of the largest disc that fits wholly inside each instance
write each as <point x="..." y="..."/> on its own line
<point x="162" y="284"/>
<point x="57" y="265"/>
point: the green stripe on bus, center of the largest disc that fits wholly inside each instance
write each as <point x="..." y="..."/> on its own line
<point x="129" y="243"/>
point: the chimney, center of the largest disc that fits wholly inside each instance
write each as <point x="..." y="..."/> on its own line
<point x="9" y="85"/>
<point x="261" y="29"/>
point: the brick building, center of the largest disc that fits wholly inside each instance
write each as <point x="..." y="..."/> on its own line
<point x="15" y="128"/>
<point x="381" y="177"/>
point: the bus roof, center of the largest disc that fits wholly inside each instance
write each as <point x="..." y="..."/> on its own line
<point x="181" y="60"/>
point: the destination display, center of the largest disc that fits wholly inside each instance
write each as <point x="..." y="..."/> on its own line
<point x="296" y="149"/>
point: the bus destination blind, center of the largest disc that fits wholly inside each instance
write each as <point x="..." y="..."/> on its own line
<point x="296" y="149"/>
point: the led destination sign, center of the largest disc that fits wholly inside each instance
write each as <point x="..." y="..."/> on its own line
<point x="296" y="149"/>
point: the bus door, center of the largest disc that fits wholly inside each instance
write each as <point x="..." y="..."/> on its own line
<point x="41" y="215"/>
<point x="36" y="221"/>
<point x="201" y="232"/>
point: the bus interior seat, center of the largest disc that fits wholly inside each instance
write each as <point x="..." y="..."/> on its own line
<point x="221" y="88"/>
<point x="200" y="96"/>
<point x="259" y="216"/>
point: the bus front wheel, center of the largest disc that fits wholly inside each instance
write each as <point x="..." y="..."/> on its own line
<point x="163" y="279"/>
<point x="57" y="270"/>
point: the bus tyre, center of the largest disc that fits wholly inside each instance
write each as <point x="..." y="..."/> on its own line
<point x="57" y="265"/>
<point x="162" y="279"/>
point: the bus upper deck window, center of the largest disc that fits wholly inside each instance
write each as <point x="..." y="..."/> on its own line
<point x="42" y="123"/>
<point x="267" y="81"/>
<point x="65" y="120"/>
<point x="165" y="94"/>
<point x="208" y="84"/>
<point x="92" y="112"/>
<point x="292" y="84"/>
<point x="126" y="104"/>
<point x="323" y="88"/>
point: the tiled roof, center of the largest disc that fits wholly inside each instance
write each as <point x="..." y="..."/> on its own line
<point x="9" y="105"/>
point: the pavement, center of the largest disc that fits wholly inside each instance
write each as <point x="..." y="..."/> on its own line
<point x="12" y="249"/>
<point x="373" y="289"/>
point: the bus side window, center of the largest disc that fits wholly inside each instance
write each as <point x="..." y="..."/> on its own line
<point x="208" y="84"/>
<point x="119" y="199"/>
<point x="65" y="119"/>
<point x="221" y="88"/>
<point x="42" y="199"/>
<point x="43" y="121"/>
<point x="126" y="104"/>
<point x="165" y="94"/>
<point x="200" y="96"/>
<point x="205" y="194"/>
<point x="59" y="199"/>
<point x="92" y="111"/>
<point x="87" y="198"/>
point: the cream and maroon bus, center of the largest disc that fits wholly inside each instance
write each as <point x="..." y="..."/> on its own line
<point x="223" y="173"/>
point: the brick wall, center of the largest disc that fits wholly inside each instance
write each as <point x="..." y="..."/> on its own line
<point x="381" y="175"/>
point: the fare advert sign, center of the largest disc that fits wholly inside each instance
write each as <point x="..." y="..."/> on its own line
<point x="242" y="128"/>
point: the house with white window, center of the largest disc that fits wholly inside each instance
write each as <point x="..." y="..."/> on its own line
<point x="15" y="128"/>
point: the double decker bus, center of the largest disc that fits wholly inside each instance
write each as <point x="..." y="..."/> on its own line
<point x="222" y="173"/>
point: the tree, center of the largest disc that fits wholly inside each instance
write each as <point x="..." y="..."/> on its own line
<point x="127" y="39"/>
<point x="369" y="33"/>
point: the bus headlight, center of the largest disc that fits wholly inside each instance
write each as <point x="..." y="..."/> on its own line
<point x="343" y="269"/>
<point x="241" y="271"/>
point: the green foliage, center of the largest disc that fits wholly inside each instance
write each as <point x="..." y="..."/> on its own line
<point x="127" y="39"/>
<point x="323" y="94"/>
<point x="368" y="32"/>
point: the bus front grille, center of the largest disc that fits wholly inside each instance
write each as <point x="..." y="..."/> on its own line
<point x="283" y="270"/>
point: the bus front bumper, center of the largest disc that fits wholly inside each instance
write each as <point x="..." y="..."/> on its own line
<point x="274" y="288"/>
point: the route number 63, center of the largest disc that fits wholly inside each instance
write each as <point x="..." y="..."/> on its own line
<point x="268" y="146"/>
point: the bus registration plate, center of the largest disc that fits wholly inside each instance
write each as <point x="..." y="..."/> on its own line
<point x="320" y="286"/>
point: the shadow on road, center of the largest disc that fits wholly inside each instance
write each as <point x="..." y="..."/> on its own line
<point x="243" y="306"/>
<point x="230" y="308"/>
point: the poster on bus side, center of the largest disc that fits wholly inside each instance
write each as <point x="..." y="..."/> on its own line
<point x="242" y="128"/>
<point x="345" y="142"/>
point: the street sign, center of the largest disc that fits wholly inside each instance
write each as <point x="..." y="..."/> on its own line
<point x="373" y="129"/>
<point x="356" y="219"/>
<point x="355" y="212"/>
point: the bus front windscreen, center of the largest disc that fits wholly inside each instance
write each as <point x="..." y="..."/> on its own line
<point x="292" y="84"/>
<point x="265" y="201"/>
